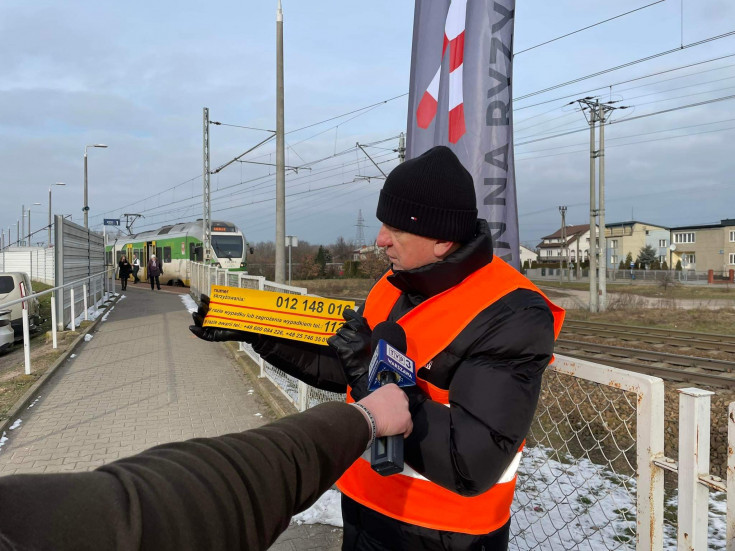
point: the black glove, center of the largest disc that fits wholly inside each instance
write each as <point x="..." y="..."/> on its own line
<point x="352" y="345"/>
<point x="215" y="334"/>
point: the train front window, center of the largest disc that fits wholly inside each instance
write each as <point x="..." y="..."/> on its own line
<point x="227" y="246"/>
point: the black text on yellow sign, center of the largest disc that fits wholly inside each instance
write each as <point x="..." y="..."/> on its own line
<point x="296" y="317"/>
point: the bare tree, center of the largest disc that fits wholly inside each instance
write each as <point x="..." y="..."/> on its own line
<point x="375" y="264"/>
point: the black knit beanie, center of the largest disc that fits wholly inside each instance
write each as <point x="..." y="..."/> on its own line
<point x="432" y="195"/>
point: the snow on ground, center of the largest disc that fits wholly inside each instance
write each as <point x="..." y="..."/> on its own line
<point x="3" y="439"/>
<point x="577" y="505"/>
<point x="93" y="312"/>
<point x="34" y="402"/>
<point x="326" y="510"/>
<point x="16" y="424"/>
<point x="88" y="337"/>
<point x="189" y="303"/>
<point x="73" y="356"/>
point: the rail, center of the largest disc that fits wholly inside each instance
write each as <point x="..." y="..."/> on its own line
<point x="652" y="335"/>
<point x="100" y="281"/>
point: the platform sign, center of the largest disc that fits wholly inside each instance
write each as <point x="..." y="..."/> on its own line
<point x="111" y="221"/>
<point x="285" y="315"/>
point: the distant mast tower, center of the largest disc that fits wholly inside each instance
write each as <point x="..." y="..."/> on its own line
<point x="360" y="233"/>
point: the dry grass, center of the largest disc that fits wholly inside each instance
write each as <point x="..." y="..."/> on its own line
<point x="356" y="289"/>
<point x="703" y="320"/>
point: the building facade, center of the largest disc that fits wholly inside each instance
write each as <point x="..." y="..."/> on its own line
<point x="705" y="247"/>
<point x="577" y="247"/>
<point x="630" y="237"/>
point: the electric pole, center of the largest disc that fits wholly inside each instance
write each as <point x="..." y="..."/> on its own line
<point x="402" y="147"/>
<point x="563" y="211"/>
<point x="360" y="235"/>
<point x="280" y="156"/>
<point x="206" y="200"/>
<point x="598" y="112"/>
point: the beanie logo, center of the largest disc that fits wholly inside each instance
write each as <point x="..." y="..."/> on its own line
<point x="414" y="219"/>
<point x="454" y="29"/>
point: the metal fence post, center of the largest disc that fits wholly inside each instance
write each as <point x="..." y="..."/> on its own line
<point x="650" y="482"/>
<point x="53" y="318"/>
<point x="694" y="422"/>
<point x="730" y="538"/>
<point x="84" y="292"/>
<point x="73" y="316"/>
<point x="26" y="338"/>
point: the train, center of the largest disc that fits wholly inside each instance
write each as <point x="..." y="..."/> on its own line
<point x="178" y="245"/>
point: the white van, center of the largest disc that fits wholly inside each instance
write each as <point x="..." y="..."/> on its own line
<point x="6" y="332"/>
<point x="15" y="285"/>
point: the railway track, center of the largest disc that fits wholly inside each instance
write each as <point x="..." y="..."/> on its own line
<point x="649" y="335"/>
<point x="672" y="365"/>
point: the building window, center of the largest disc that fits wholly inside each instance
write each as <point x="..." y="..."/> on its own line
<point x="613" y="243"/>
<point x="166" y="255"/>
<point x="662" y="242"/>
<point x="688" y="259"/>
<point x="662" y="258"/>
<point x="548" y="252"/>
<point x="613" y="259"/>
<point x="732" y="258"/>
<point x="732" y="237"/>
<point x="684" y="237"/>
<point x="648" y="232"/>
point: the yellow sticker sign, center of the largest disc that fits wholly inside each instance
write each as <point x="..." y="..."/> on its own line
<point x="295" y="317"/>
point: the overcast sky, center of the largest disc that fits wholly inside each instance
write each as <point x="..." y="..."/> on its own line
<point x="136" y="75"/>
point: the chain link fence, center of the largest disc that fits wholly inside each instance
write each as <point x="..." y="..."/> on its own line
<point x="576" y="481"/>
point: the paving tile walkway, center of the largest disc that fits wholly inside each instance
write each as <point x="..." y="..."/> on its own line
<point x="142" y="380"/>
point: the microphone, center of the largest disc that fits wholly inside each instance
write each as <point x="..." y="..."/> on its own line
<point x="389" y="365"/>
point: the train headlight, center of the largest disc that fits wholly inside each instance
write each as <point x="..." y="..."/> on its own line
<point x="242" y="264"/>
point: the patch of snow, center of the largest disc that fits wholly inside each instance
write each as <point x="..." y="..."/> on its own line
<point x="563" y="505"/>
<point x="16" y="424"/>
<point x="259" y="415"/>
<point x="88" y="337"/>
<point x="34" y="402"/>
<point x="326" y="510"/>
<point x="73" y="356"/>
<point x="3" y="439"/>
<point x="189" y="303"/>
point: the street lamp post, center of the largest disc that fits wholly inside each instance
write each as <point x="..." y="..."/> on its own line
<point x="86" y="205"/>
<point x="29" y="224"/>
<point x="49" y="209"/>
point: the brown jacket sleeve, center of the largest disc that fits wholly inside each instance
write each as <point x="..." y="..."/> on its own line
<point x="237" y="491"/>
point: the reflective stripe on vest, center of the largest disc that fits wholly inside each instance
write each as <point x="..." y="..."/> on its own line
<point x="430" y="327"/>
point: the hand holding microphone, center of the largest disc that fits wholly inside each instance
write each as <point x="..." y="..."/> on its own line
<point x="389" y="365"/>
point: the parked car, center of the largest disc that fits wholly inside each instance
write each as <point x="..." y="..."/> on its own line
<point x="6" y="332"/>
<point x="15" y="285"/>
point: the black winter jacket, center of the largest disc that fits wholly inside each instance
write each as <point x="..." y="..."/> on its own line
<point x="237" y="491"/>
<point x="493" y="372"/>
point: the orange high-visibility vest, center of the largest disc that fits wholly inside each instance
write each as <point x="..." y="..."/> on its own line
<point x="430" y="327"/>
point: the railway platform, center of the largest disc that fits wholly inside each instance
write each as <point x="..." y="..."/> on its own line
<point x="142" y="379"/>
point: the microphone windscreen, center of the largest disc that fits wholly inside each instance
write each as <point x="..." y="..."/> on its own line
<point x="390" y="332"/>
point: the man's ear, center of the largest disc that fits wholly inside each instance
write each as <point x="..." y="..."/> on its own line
<point x="442" y="249"/>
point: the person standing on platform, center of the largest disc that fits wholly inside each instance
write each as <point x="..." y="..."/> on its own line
<point x="481" y="335"/>
<point x="136" y="268"/>
<point x="154" y="272"/>
<point x="124" y="270"/>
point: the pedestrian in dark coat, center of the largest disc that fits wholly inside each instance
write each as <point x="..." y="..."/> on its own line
<point x="154" y="272"/>
<point x="237" y="491"/>
<point x="124" y="269"/>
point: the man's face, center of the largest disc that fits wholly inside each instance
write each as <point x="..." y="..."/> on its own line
<point x="406" y="250"/>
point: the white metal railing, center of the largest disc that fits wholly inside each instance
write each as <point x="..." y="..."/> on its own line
<point x="592" y="473"/>
<point x="99" y="284"/>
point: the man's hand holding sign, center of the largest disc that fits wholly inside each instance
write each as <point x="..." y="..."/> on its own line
<point x="242" y="314"/>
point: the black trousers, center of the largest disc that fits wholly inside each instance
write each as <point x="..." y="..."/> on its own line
<point x="124" y="280"/>
<point x="154" y="281"/>
<point x="135" y="274"/>
<point x="367" y="530"/>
